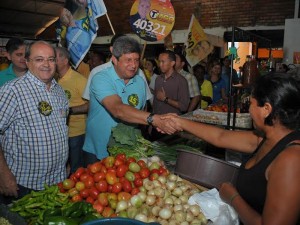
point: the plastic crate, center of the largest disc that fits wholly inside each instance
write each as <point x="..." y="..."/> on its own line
<point x="242" y="120"/>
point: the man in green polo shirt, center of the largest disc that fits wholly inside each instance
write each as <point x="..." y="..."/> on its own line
<point x="15" y="49"/>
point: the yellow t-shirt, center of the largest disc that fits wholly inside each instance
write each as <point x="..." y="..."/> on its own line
<point x="74" y="84"/>
<point x="206" y="90"/>
<point x="84" y="69"/>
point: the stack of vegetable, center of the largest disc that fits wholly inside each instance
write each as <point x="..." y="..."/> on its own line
<point x="50" y="206"/>
<point x="129" y="140"/>
<point x="139" y="189"/>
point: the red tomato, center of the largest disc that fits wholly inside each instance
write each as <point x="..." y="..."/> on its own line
<point x="130" y="160"/>
<point x="121" y="179"/>
<point x="107" y="212"/>
<point x="135" y="191"/>
<point x="141" y="163"/>
<point x="94" y="192"/>
<point x="73" y="178"/>
<point x="102" y="186"/>
<point x="121" y="170"/>
<point x="102" y="198"/>
<point x="84" y="176"/>
<point x="84" y="193"/>
<point x="137" y="176"/>
<point x="144" y="172"/>
<point x="121" y="156"/>
<point x="112" y="169"/>
<point x="124" y="196"/>
<point x="79" y="172"/>
<point x="95" y="167"/>
<point x="163" y="171"/>
<point x="76" y="198"/>
<point x="68" y="184"/>
<point x="117" y="187"/>
<point x="111" y="178"/>
<point x="98" y="207"/>
<point x="90" y="200"/>
<point x="138" y="182"/>
<point x="119" y="162"/>
<point x="89" y="182"/>
<point x="99" y="176"/>
<point x="127" y="186"/>
<point x="103" y="169"/>
<point x="109" y="161"/>
<point x="109" y="189"/>
<point x="155" y="171"/>
<point x="60" y="186"/>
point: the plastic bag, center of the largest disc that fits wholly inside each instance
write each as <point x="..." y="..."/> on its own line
<point x="214" y="208"/>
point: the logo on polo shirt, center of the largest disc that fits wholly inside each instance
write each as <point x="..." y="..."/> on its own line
<point x="133" y="100"/>
<point x="68" y="94"/>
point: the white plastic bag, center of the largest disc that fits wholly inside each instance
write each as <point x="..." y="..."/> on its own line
<point x="214" y="208"/>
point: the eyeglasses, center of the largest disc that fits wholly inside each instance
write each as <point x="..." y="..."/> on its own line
<point x="40" y="60"/>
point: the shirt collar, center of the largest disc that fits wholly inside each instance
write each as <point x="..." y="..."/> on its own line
<point x="38" y="82"/>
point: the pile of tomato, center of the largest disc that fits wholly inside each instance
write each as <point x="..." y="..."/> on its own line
<point x="110" y="180"/>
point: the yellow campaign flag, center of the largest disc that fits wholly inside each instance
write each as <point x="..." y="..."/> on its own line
<point x="197" y="46"/>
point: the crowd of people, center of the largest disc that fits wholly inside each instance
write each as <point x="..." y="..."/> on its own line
<point x="52" y="116"/>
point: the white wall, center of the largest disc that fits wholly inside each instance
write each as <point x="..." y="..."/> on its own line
<point x="291" y="42"/>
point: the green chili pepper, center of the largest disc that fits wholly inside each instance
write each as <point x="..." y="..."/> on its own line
<point x="52" y="212"/>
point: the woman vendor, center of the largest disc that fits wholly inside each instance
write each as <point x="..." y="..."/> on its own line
<point x="268" y="184"/>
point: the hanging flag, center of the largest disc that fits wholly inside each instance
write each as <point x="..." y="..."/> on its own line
<point x="79" y="26"/>
<point x="197" y="46"/>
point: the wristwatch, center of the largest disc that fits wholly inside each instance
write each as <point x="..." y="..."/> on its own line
<point x="166" y="100"/>
<point x="150" y="118"/>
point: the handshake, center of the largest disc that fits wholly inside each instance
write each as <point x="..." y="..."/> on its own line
<point x="167" y="123"/>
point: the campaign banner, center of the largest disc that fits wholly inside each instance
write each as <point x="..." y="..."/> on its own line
<point x="79" y="26"/>
<point x="152" y="20"/>
<point x="197" y="46"/>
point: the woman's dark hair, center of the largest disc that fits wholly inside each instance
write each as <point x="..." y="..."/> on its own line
<point x="282" y="92"/>
<point x="154" y="64"/>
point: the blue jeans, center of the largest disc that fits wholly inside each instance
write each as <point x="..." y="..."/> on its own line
<point x="76" y="152"/>
<point x="89" y="158"/>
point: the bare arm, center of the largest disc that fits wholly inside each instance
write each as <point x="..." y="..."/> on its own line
<point x="282" y="191"/>
<point x="8" y="183"/>
<point x="242" y="141"/>
<point x="80" y="109"/>
<point x="193" y="103"/>
<point x="130" y="114"/>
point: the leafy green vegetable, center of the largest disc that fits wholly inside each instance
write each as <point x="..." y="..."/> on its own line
<point x="126" y="135"/>
<point x="129" y="140"/>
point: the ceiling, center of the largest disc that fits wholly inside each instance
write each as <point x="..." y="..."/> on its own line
<point x="27" y="18"/>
